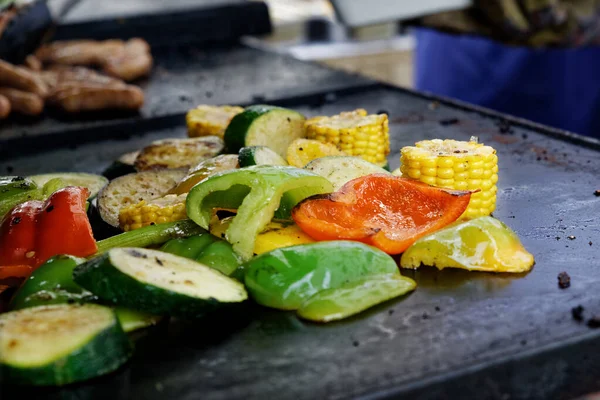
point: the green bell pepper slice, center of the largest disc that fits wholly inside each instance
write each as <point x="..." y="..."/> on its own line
<point x="354" y="297"/>
<point x="481" y="244"/>
<point x="286" y="278"/>
<point x="206" y="249"/>
<point x="16" y="190"/>
<point x="52" y="283"/>
<point x="258" y="193"/>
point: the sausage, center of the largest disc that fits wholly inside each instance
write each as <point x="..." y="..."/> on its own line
<point x="33" y="63"/>
<point x="4" y="107"/>
<point x="93" y="98"/>
<point x="23" y="102"/>
<point x="135" y="62"/>
<point x="67" y="76"/>
<point x="79" y="52"/>
<point x="20" y="78"/>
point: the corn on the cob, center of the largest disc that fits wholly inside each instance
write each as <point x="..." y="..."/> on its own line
<point x="302" y="151"/>
<point x="456" y="165"/>
<point x="157" y="211"/>
<point x="355" y="133"/>
<point x="206" y="120"/>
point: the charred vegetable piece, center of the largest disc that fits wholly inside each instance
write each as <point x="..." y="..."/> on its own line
<point x="481" y="244"/>
<point x="91" y="181"/>
<point x="178" y="153"/>
<point x="340" y="170"/>
<point x="289" y="277"/>
<point x="354" y="297"/>
<point x="383" y="210"/>
<point x="131" y="189"/>
<point x="264" y="125"/>
<point x="302" y="151"/>
<point x="158" y="283"/>
<point x="223" y="162"/>
<point x="355" y="133"/>
<point x="207" y="120"/>
<point x="257" y="193"/>
<point x="453" y="164"/>
<point x="276" y="234"/>
<point x="168" y="208"/>
<point x="15" y="189"/>
<point x="61" y="344"/>
<point x="34" y="231"/>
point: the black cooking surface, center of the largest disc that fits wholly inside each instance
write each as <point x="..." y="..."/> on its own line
<point x="459" y="335"/>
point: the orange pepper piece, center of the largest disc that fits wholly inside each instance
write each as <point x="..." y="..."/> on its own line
<point x="385" y="211"/>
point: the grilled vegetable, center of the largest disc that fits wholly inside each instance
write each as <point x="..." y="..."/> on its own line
<point x="385" y="211"/>
<point x="15" y="186"/>
<point x="158" y="283"/>
<point x="355" y="133"/>
<point x="207" y="120"/>
<point x="178" y="153"/>
<point x="151" y="235"/>
<point x="456" y="165"/>
<point x="133" y="188"/>
<point x="224" y="162"/>
<point x="132" y="320"/>
<point x="60" y="344"/>
<point x="481" y="244"/>
<point x="257" y="193"/>
<point x="52" y="283"/>
<point x="91" y="181"/>
<point x="168" y="208"/>
<point x="206" y="249"/>
<point x="353" y="297"/>
<point x="34" y="231"/>
<point x="340" y="170"/>
<point x="302" y="151"/>
<point x="259" y="155"/>
<point x="311" y="276"/>
<point x="277" y="234"/>
<point x="262" y="125"/>
<point x="122" y="166"/>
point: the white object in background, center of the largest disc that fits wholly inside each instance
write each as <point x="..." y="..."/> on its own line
<point x="367" y="12"/>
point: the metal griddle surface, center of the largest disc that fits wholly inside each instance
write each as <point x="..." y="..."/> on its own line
<point x="460" y="334"/>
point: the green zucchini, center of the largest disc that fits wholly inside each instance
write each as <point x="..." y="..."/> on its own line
<point x="91" y="181"/>
<point x="259" y="155"/>
<point x="341" y="169"/>
<point x="59" y="344"/>
<point x="263" y="125"/>
<point x="158" y="283"/>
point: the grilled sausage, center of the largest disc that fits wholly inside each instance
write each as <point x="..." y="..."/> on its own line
<point x="92" y="98"/>
<point x="23" y="102"/>
<point x="20" y="78"/>
<point x="67" y="76"/>
<point x="79" y="52"/>
<point x="4" y="107"/>
<point x="135" y="62"/>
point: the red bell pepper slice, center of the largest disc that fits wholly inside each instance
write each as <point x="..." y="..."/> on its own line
<point x="15" y="271"/>
<point x="385" y="211"/>
<point x="34" y="231"/>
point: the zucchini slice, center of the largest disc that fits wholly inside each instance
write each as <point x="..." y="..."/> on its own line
<point x="341" y="169"/>
<point x="259" y="155"/>
<point x="178" y="153"/>
<point x="60" y="344"/>
<point x="263" y="125"/>
<point x="158" y="283"/>
<point x="91" y="181"/>
<point x="133" y="188"/>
